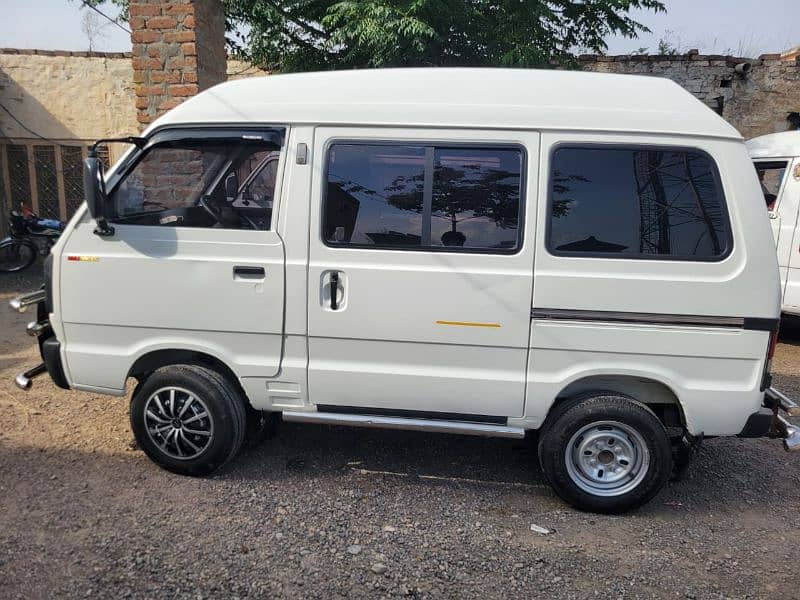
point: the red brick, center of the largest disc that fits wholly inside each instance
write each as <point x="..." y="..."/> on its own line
<point x="145" y="90"/>
<point x="142" y="102"/>
<point x="162" y="23"/>
<point x="136" y="23"/>
<point x="140" y="9"/>
<point x="189" y="89"/>
<point x="138" y="76"/>
<point x="145" y="36"/>
<point x="164" y="76"/>
<point x="190" y="77"/>
<point x="147" y="63"/>
<point x="189" y="49"/>
<point x="181" y="9"/>
<point x="179" y="36"/>
<point x="188" y="21"/>
<point x="145" y="119"/>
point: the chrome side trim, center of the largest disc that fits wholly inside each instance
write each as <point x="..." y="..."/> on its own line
<point x="565" y="314"/>
<point x="430" y="425"/>
<point x="21" y="303"/>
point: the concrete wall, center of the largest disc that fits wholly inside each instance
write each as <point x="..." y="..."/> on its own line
<point x="67" y="96"/>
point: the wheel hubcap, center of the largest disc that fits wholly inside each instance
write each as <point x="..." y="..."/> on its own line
<point x="178" y="422"/>
<point x="607" y="458"/>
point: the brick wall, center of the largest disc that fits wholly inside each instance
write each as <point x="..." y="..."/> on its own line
<point x="756" y="103"/>
<point x="178" y="51"/>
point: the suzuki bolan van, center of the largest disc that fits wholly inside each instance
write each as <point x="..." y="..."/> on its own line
<point x="473" y="251"/>
<point x="777" y="161"/>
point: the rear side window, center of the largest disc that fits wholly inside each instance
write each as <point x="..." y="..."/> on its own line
<point x="398" y="196"/>
<point x="636" y="202"/>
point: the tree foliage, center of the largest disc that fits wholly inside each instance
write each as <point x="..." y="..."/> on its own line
<point x="304" y="35"/>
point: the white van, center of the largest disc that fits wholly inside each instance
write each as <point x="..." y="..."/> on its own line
<point x="483" y="252"/>
<point x="777" y="160"/>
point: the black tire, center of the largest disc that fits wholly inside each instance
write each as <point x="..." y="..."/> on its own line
<point x="607" y="426"/>
<point x="223" y="429"/>
<point x="17" y="255"/>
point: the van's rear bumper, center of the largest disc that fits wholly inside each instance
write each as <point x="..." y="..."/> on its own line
<point x="771" y="420"/>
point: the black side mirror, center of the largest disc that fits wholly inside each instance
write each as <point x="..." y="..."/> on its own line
<point x="95" y="190"/>
<point x="231" y="187"/>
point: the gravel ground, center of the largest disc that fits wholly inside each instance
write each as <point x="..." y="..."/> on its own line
<point x="320" y="512"/>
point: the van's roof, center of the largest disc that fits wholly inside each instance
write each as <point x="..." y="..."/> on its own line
<point x="458" y="97"/>
<point x="775" y="145"/>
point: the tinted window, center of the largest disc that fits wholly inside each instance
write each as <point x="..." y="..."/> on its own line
<point x="199" y="184"/>
<point x="476" y="196"/>
<point x="423" y="197"/>
<point x="770" y="176"/>
<point x="374" y="195"/>
<point x="636" y="202"/>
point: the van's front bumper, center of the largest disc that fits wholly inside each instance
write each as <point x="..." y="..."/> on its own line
<point x="49" y="346"/>
<point x="771" y="420"/>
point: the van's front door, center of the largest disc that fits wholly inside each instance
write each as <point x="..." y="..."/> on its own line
<point x="420" y="271"/>
<point x="193" y="264"/>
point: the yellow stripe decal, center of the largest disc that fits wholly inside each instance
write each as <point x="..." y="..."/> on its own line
<point x="468" y="324"/>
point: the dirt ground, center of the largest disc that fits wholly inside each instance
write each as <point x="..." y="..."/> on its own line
<point x="319" y="512"/>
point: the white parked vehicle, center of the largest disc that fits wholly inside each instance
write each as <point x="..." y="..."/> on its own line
<point x="482" y="252"/>
<point x="777" y="160"/>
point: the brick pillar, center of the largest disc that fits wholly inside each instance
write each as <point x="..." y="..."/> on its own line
<point x="178" y="51"/>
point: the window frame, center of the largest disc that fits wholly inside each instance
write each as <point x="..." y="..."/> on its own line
<point x="729" y="238"/>
<point x="270" y="134"/>
<point x="434" y="144"/>
<point x="787" y="166"/>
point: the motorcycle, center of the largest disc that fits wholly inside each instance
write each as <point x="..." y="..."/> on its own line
<point x="30" y="237"/>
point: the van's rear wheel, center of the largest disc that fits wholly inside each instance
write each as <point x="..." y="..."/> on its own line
<point x="605" y="453"/>
<point x="188" y="419"/>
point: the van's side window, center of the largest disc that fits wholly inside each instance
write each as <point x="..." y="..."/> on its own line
<point x="423" y="197"/>
<point x="636" y="202"/>
<point x="770" y="176"/>
<point x="218" y="183"/>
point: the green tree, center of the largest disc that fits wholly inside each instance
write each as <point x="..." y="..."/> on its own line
<point x="303" y="35"/>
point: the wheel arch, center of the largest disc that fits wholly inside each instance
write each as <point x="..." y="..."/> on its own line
<point x="652" y="392"/>
<point x="155" y="359"/>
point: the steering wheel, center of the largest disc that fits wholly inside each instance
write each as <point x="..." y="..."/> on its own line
<point x="212" y="207"/>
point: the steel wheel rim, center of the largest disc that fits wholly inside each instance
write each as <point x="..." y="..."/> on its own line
<point x="607" y="458"/>
<point x="178" y="422"/>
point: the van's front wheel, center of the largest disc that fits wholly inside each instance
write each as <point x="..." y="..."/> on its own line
<point x="605" y="453"/>
<point x="188" y="419"/>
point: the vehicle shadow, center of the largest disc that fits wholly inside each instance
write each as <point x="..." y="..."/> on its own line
<point x="728" y="476"/>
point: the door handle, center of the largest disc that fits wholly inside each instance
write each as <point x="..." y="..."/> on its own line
<point x="241" y="272"/>
<point x="334" y="290"/>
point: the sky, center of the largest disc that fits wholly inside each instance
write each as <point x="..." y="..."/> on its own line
<point x="739" y="27"/>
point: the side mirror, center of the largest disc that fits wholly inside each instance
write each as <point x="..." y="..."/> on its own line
<point x="93" y="186"/>
<point x="95" y="190"/>
<point x="231" y="187"/>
